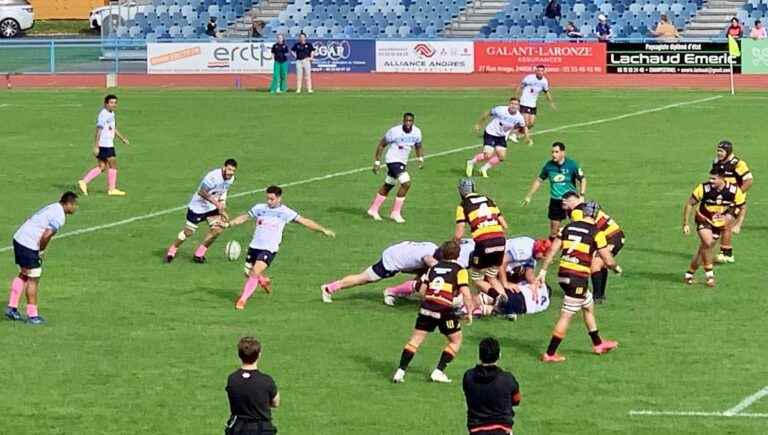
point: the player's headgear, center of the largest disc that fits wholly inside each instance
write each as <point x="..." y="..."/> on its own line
<point x="591" y="209"/>
<point x="726" y="146"/>
<point x="540" y="247"/>
<point x="717" y="170"/>
<point x="466" y="186"/>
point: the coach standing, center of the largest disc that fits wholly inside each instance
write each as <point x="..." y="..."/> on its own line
<point x="304" y="52"/>
<point x="491" y="393"/>
<point x="280" y="71"/>
<point x="252" y="394"/>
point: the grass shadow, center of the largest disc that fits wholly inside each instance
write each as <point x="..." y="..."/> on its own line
<point x="376" y="298"/>
<point x="352" y="211"/>
<point x="673" y="277"/>
<point x="665" y="252"/>
<point x="510" y="345"/>
<point x="226" y="294"/>
<point x="374" y="365"/>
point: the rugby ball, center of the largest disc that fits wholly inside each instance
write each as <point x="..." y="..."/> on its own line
<point x="233" y="250"/>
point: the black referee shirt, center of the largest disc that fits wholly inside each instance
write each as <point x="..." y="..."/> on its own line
<point x="280" y="52"/>
<point x="491" y="393"/>
<point x="250" y="393"/>
<point x="302" y="51"/>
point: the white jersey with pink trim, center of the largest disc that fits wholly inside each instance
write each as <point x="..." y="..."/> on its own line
<point x="520" y="253"/>
<point x="216" y="185"/>
<point x="270" y="223"/>
<point x="466" y="246"/>
<point x="503" y="122"/>
<point x="538" y="305"/>
<point x="106" y="122"/>
<point x="50" y="217"/>
<point x="532" y="87"/>
<point x="407" y="256"/>
<point x="401" y="143"/>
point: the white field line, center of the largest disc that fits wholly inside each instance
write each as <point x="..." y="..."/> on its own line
<point x="747" y="402"/>
<point x="368" y="168"/>
<point x="692" y="414"/>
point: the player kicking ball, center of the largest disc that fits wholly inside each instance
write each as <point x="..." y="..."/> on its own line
<point x="407" y="257"/>
<point x="104" y="149"/>
<point x="29" y="244"/>
<point x="502" y="122"/>
<point x="399" y="140"/>
<point x="209" y="204"/>
<point x="270" y="219"/>
<point x="440" y="286"/>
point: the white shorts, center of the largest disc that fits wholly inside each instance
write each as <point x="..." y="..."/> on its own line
<point x="574" y="305"/>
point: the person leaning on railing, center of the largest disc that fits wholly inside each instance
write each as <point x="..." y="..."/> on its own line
<point x="735" y="30"/>
<point x="665" y="30"/>
<point x="758" y="31"/>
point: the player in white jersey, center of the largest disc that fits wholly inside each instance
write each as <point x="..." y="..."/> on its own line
<point x="400" y="139"/>
<point x="519" y="264"/>
<point x="408" y="257"/>
<point x="104" y="149"/>
<point x="499" y="123"/>
<point x="209" y="203"/>
<point x="528" y="299"/>
<point x="530" y="87"/>
<point x="270" y="219"/>
<point x="29" y="244"/>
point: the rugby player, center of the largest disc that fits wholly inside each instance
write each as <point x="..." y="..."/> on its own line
<point x="519" y="264"/>
<point x="563" y="175"/>
<point x="530" y="87"/>
<point x="408" y="257"/>
<point x="719" y="206"/>
<point x="614" y="235"/>
<point x="500" y="122"/>
<point x="104" y="149"/>
<point x="270" y="219"/>
<point x="441" y="285"/>
<point x="209" y="203"/>
<point x="29" y="244"/>
<point x="400" y="139"/>
<point x="487" y="225"/>
<point x="527" y="299"/>
<point x="579" y="242"/>
<point x="736" y="172"/>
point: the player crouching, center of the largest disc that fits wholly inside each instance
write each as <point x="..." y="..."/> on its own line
<point x="526" y="299"/>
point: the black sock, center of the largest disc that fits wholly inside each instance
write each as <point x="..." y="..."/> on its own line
<point x="604" y="272"/>
<point x="445" y="358"/>
<point x="493" y="293"/>
<point x="595" y="336"/>
<point x="405" y="358"/>
<point x="597" y="284"/>
<point x="553" y="343"/>
<point x="728" y="252"/>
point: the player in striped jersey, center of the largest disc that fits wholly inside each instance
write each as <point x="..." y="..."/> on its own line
<point x="736" y="171"/>
<point x="441" y="286"/>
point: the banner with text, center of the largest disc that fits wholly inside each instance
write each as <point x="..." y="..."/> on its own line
<point x="341" y="55"/>
<point x="754" y="56"/>
<point x="669" y="58"/>
<point x="425" y="56"/>
<point x="522" y="56"/>
<point x="209" y="58"/>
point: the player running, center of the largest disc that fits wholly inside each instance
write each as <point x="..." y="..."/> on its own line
<point x="487" y="226"/>
<point x="407" y="257"/>
<point x="209" y="204"/>
<point x="441" y="285"/>
<point x="400" y="139"/>
<point x="104" y="148"/>
<point x="29" y="244"/>
<point x="563" y="175"/>
<point x="736" y="172"/>
<point x="719" y="206"/>
<point x="530" y="87"/>
<point x="579" y="242"/>
<point x="270" y="218"/>
<point x="502" y="122"/>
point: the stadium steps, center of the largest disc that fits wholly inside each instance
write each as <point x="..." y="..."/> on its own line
<point x="476" y="15"/>
<point x="712" y="19"/>
<point x="265" y="11"/>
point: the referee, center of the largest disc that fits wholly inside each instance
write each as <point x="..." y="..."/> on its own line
<point x="252" y="394"/>
<point x="491" y="393"/>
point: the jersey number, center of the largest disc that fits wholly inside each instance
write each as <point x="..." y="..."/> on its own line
<point x="485" y="212"/>
<point x="436" y="286"/>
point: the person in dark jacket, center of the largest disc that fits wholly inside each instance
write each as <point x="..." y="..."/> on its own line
<point x="491" y="393"/>
<point x="552" y="10"/>
<point x="280" y="70"/>
<point x="252" y="394"/>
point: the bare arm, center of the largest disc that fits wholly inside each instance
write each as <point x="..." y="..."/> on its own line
<point x="206" y="195"/>
<point x="583" y="186"/>
<point x="530" y="276"/>
<point x="610" y="262"/>
<point x="243" y="218"/>
<point x="687" y="213"/>
<point x="377" y="154"/>
<point x="534" y="188"/>
<point x="429" y="260"/>
<point x="503" y="271"/>
<point x="420" y="155"/>
<point x="550" y="99"/>
<point x="482" y="121"/>
<point x="468" y="301"/>
<point x="459" y="233"/>
<point x="96" y="140"/>
<point x="314" y="226"/>
<point x="746" y="185"/>
<point x="46" y="238"/>
<point x="548" y="260"/>
<point x="275" y="402"/>
<point x="121" y="137"/>
<point x="503" y="223"/>
<point x="527" y="136"/>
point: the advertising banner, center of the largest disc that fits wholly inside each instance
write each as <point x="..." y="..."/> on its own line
<point x="340" y="55"/>
<point x="209" y="58"/>
<point x="754" y="56"/>
<point x="523" y="56"/>
<point x="425" y="56"/>
<point x="669" y="58"/>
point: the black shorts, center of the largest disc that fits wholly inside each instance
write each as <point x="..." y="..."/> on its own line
<point x="447" y="324"/>
<point x="617" y="240"/>
<point x="556" y="210"/>
<point x="241" y="427"/>
<point x="490" y="140"/>
<point x="704" y="225"/>
<point x="488" y="253"/>
<point x="528" y="110"/>
<point x="105" y="153"/>
<point x="25" y="257"/>
<point x="255" y="255"/>
<point x="577" y="288"/>
<point x="382" y="271"/>
<point x="196" y="218"/>
<point x="395" y="169"/>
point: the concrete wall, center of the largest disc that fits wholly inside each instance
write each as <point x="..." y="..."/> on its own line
<point x="64" y="9"/>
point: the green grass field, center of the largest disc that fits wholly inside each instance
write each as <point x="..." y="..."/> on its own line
<point x="134" y="346"/>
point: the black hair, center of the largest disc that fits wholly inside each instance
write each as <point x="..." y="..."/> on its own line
<point x="230" y="162"/>
<point x="489" y="350"/>
<point x="407" y="114"/>
<point x="303" y="34"/>
<point x="68" y="197"/>
<point x="275" y="190"/>
<point x="570" y="194"/>
<point x="514" y="99"/>
<point x="757" y="22"/>
<point x="559" y="145"/>
<point x="541" y="66"/>
<point x="717" y="170"/>
<point x="110" y="97"/>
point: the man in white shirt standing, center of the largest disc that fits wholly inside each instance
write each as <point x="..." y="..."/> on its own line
<point x="104" y="149"/>
<point x="501" y="123"/>
<point x="270" y="219"/>
<point x="29" y="244"/>
<point x="400" y="139"/>
<point x="529" y="90"/>
<point x="209" y="203"/>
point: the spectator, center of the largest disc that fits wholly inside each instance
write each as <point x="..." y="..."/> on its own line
<point x="210" y="28"/>
<point x="257" y="29"/>
<point x="758" y="31"/>
<point x="665" y="30"/>
<point x="603" y="29"/>
<point x="304" y="52"/>
<point x="490" y="393"/>
<point x="553" y="11"/>
<point x="252" y="394"/>
<point x="571" y="31"/>
<point x="280" y="71"/>
<point x="735" y="30"/>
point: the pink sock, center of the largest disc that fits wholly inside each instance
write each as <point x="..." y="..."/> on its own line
<point x="248" y="288"/>
<point x="398" y="207"/>
<point x="491" y="163"/>
<point x="172" y="251"/>
<point x="200" y="251"/>
<point x="333" y="287"/>
<point x="376" y="204"/>
<point x="402" y="290"/>
<point x="93" y="173"/>
<point x="478" y="158"/>
<point x="17" y="287"/>
<point x="31" y="310"/>
<point x="112" y="178"/>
